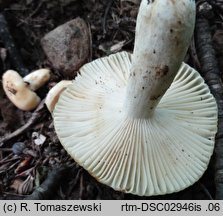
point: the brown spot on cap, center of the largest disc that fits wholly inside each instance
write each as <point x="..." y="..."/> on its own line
<point x="11" y="90"/>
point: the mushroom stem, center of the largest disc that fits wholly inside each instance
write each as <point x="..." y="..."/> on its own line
<point x="157" y="56"/>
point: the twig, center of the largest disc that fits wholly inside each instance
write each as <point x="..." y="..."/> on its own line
<point x="211" y="74"/>
<point x="35" y="116"/>
<point x="109" y="4"/>
<point x="32" y="14"/>
<point x="205" y="190"/>
<point x="193" y="54"/>
<point x="6" y="159"/>
<point x="82" y="187"/>
<point x="90" y="42"/>
<point x="10" y="46"/>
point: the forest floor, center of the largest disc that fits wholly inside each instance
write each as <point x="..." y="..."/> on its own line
<point x="26" y="165"/>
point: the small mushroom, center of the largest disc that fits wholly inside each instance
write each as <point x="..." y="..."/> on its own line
<point x="37" y="79"/>
<point x="54" y="94"/>
<point x="143" y="123"/>
<point x="19" y="92"/>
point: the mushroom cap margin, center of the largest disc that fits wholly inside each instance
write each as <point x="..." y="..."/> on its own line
<point x="161" y="155"/>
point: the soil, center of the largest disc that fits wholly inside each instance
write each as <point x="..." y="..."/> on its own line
<point x="31" y="149"/>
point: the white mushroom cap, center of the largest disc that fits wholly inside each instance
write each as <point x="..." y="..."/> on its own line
<point x="54" y="94"/>
<point x="145" y="156"/>
<point x="142" y="123"/>
<point x="18" y="91"/>
<point x="37" y="78"/>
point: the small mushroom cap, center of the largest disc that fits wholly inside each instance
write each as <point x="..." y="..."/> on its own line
<point x="152" y="156"/>
<point x="37" y="79"/>
<point x="54" y="94"/>
<point x="18" y="91"/>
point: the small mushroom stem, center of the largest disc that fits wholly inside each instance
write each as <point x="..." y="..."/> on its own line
<point x="157" y="56"/>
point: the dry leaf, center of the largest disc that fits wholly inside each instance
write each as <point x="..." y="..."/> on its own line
<point x="109" y="48"/>
<point x="26" y="172"/>
<point x="117" y="47"/>
<point x="16" y="184"/>
<point x="25" y="164"/>
<point x="23" y="187"/>
<point x="27" y="186"/>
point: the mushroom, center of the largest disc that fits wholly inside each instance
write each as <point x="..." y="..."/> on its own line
<point x="37" y="79"/>
<point x="21" y="90"/>
<point x="142" y="123"/>
<point x="54" y="94"/>
<point x="18" y="91"/>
